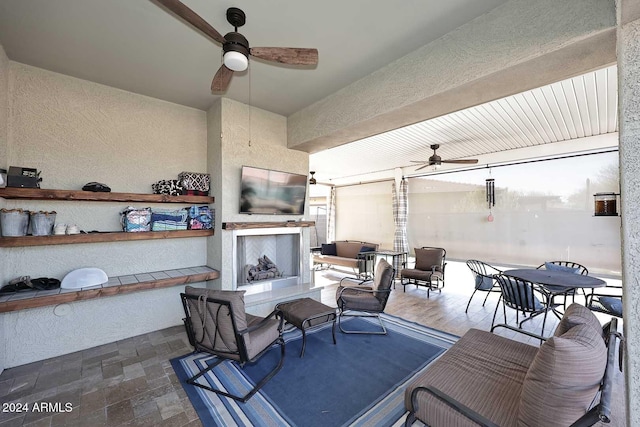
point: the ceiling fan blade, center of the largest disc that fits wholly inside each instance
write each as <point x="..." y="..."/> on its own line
<point x="462" y="161"/>
<point x="221" y="80"/>
<point x="286" y="55"/>
<point x="423" y="166"/>
<point x="419" y="161"/>
<point x="192" y="18"/>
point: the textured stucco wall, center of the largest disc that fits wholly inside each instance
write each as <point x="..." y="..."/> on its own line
<point x="4" y="107"/>
<point x="252" y="137"/>
<point x="76" y="131"/>
<point x="214" y="164"/>
<point x="629" y="108"/>
<point x="4" y="131"/>
<point x="514" y="33"/>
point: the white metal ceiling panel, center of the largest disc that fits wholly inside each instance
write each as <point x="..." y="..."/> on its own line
<point x="575" y="108"/>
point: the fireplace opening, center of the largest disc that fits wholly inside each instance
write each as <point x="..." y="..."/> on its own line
<point x="268" y="261"/>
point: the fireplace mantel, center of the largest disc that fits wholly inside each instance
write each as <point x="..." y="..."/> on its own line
<point x="250" y="225"/>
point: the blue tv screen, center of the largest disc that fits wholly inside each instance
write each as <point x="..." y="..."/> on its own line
<point x="265" y="191"/>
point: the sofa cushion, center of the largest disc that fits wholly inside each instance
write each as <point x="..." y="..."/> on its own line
<point x="428" y="258"/>
<point x="483" y="371"/>
<point x="563" y="379"/>
<point x="348" y="249"/>
<point x="328" y="249"/>
<point x="575" y="315"/>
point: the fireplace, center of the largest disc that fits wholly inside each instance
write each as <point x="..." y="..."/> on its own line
<point x="259" y="251"/>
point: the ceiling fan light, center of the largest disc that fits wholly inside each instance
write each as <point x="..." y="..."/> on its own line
<point x="235" y="61"/>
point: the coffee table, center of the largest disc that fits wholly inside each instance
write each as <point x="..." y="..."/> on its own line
<point x="307" y="313"/>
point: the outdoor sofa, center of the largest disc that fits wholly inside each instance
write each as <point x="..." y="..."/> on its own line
<point x="348" y="253"/>
<point x="490" y="380"/>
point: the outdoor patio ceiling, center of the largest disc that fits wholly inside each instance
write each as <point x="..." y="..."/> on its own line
<point x="579" y="107"/>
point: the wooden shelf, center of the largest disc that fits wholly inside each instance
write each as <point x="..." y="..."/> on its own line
<point x="12" y="242"/>
<point x="115" y="286"/>
<point x="91" y="196"/>
<point x="249" y="225"/>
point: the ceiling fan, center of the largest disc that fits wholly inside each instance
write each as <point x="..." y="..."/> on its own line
<point x="435" y="160"/>
<point x="236" y="47"/>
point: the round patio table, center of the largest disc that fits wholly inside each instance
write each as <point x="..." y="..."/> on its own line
<point x="558" y="279"/>
<point x="555" y="283"/>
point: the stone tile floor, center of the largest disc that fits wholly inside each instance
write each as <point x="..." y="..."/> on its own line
<point x="126" y="383"/>
<point x="131" y="382"/>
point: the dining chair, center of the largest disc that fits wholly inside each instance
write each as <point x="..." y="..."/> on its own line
<point x="566" y="267"/>
<point x="606" y="302"/>
<point x="519" y="295"/>
<point x="484" y="279"/>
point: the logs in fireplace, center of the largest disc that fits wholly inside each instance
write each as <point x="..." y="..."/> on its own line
<point x="265" y="269"/>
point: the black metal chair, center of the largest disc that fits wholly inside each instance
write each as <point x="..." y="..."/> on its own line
<point x="519" y="295"/>
<point x="366" y="301"/>
<point x="607" y="303"/>
<point x="217" y="324"/>
<point x="428" y="270"/>
<point x="483" y="275"/>
<point x="566" y="266"/>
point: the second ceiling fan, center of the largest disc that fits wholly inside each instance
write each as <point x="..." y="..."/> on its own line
<point x="436" y="160"/>
<point x="236" y="47"/>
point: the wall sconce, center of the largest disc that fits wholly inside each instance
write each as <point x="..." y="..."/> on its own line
<point x="312" y="180"/>
<point x="606" y="204"/>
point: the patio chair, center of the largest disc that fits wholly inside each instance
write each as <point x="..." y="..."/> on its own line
<point x="607" y="303"/>
<point x="428" y="270"/>
<point x="484" y="279"/>
<point x="360" y="300"/>
<point x="217" y="324"/>
<point x="519" y="295"/>
<point x="567" y="267"/>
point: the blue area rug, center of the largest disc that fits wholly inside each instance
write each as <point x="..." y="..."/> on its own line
<point x="359" y="381"/>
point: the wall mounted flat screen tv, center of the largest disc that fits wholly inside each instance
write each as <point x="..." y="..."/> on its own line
<point x="265" y="191"/>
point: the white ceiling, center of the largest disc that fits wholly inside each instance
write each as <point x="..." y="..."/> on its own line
<point x="137" y="46"/>
<point x="571" y="109"/>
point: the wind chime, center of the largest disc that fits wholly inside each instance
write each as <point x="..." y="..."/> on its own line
<point x="491" y="195"/>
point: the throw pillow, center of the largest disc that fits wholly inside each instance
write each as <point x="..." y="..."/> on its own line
<point x="613" y="304"/>
<point x="563" y="379"/>
<point x="555" y="267"/>
<point x="575" y="315"/>
<point x="367" y="249"/>
<point x="328" y="249"/>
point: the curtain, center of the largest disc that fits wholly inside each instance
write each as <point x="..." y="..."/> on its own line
<point x="400" y="207"/>
<point x="331" y="216"/>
